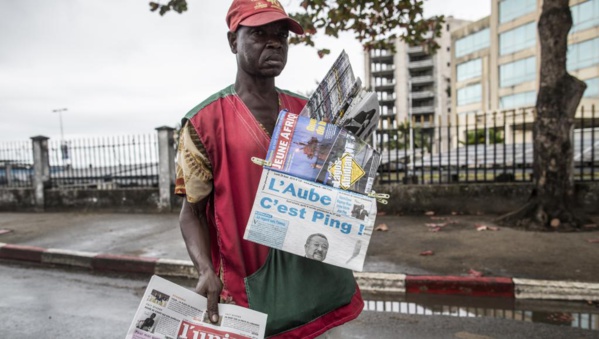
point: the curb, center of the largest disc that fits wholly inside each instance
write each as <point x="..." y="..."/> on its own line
<point x="502" y="287"/>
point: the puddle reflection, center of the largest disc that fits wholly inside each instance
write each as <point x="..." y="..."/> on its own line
<point x="574" y="314"/>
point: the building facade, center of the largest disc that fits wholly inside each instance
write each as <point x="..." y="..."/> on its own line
<point x="496" y="60"/>
<point x="412" y="84"/>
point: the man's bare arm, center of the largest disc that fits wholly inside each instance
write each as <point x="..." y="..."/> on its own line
<point x="194" y="227"/>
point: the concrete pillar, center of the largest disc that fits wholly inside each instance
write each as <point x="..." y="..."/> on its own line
<point x="41" y="169"/>
<point x="166" y="167"/>
<point x="9" y="176"/>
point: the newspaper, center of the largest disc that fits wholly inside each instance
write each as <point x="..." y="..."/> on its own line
<point x="312" y="220"/>
<point x="168" y="310"/>
<point x="321" y="152"/>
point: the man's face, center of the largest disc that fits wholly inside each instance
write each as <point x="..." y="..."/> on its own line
<point x="262" y="51"/>
<point x="317" y="248"/>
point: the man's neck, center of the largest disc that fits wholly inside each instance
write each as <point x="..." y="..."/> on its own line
<point x="256" y="86"/>
<point x="260" y="97"/>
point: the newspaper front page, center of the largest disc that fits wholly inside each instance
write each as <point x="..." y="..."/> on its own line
<point x="170" y="311"/>
<point x="312" y="220"/>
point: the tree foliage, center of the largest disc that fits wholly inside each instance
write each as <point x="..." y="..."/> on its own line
<point x="178" y="6"/>
<point x="376" y="24"/>
<point x="400" y="138"/>
<point x="480" y="136"/>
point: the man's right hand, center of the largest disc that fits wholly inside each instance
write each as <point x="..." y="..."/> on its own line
<point x="196" y="235"/>
<point x="210" y="286"/>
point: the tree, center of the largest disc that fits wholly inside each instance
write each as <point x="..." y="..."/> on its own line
<point x="551" y="205"/>
<point x="375" y="23"/>
<point x="400" y="138"/>
<point x="480" y="136"/>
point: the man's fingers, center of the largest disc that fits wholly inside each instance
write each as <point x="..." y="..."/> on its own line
<point x="213" y="307"/>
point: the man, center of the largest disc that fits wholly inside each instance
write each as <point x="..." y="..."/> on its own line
<point x="317" y="247"/>
<point x="215" y="173"/>
<point x="148" y="323"/>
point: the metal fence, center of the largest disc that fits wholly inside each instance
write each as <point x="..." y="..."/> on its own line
<point x="496" y="147"/>
<point x="16" y="164"/>
<point x="588" y="320"/>
<point x="104" y="162"/>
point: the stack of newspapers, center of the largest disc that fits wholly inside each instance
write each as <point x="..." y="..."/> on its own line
<point x="315" y="196"/>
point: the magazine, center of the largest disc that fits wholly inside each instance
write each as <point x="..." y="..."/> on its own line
<point x="170" y="311"/>
<point x="341" y="100"/>
<point x="332" y="92"/>
<point x="312" y="220"/>
<point x="321" y="152"/>
<point x="362" y="115"/>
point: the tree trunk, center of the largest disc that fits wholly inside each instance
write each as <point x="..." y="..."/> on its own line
<point x="552" y="203"/>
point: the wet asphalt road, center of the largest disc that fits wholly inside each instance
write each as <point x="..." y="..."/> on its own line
<point x="40" y="302"/>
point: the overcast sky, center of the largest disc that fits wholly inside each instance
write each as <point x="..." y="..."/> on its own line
<point x="120" y="69"/>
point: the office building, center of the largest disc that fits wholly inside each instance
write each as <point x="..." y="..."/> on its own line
<point x="496" y="60"/>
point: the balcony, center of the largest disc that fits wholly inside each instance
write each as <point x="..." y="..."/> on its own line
<point x="387" y="116"/>
<point x="423" y="64"/>
<point x="423" y="109"/>
<point x="416" y="50"/>
<point x="384" y="73"/>
<point x="422" y="94"/>
<point x="384" y="59"/>
<point x="421" y="80"/>
<point x="387" y="102"/>
<point x="386" y="87"/>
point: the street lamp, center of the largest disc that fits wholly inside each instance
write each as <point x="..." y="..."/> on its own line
<point x="63" y="145"/>
<point x="59" y="111"/>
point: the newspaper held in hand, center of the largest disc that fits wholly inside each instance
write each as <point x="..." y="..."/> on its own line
<point x="340" y="99"/>
<point x="312" y="220"/>
<point x="170" y="311"/>
<point x="323" y="153"/>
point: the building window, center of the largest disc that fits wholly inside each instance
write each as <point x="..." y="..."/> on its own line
<point x="517" y="72"/>
<point x="469" y="69"/>
<point x="592" y="90"/>
<point x="512" y="9"/>
<point x="472" y="43"/>
<point x="584" y="54"/>
<point x="524" y="99"/>
<point x="518" y="38"/>
<point x="585" y="15"/>
<point x="469" y="94"/>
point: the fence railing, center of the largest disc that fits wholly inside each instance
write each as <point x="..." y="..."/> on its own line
<point x="16" y="164"/>
<point x="104" y="162"/>
<point x="496" y="147"/>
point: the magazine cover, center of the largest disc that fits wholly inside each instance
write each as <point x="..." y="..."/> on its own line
<point x="321" y="152"/>
<point x="362" y="115"/>
<point x="312" y="220"/>
<point x="333" y="91"/>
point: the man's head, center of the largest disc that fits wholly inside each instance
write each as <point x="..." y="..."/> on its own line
<point x="258" y="32"/>
<point x="316" y="247"/>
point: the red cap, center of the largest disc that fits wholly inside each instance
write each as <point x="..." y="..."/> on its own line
<point x="254" y="13"/>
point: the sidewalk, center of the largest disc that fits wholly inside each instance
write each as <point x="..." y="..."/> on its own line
<point x="457" y="248"/>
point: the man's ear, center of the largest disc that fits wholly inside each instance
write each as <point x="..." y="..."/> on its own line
<point x="232" y="37"/>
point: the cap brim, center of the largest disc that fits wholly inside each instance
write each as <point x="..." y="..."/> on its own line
<point x="265" y="18"/>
